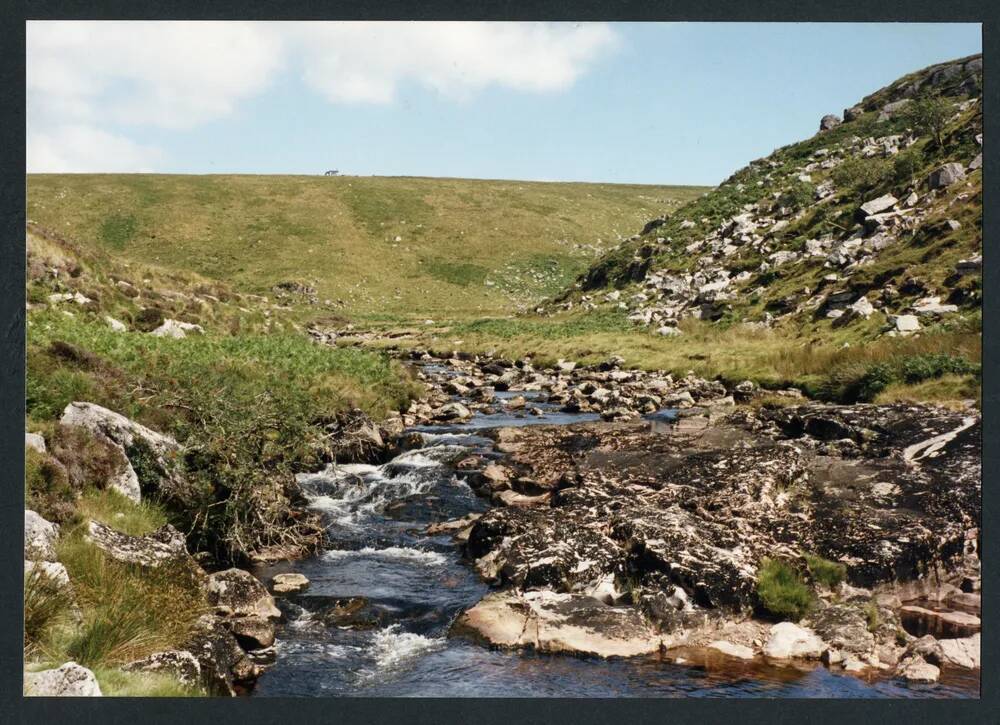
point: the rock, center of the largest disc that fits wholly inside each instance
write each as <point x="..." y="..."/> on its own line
<point x="906" y="324"/>
<point x="70" y="680"/>
<point x="290" y="583"/>
<point x="516" y="403"/>
<point x="132" y="439"/>
<point x="557" y="622"/>
<point x="180" y="664"/>
<point x="965" y="652"/>
<point x="35" y="442"/>
<point x="917" y="669"/>
<point x="911" y="200"/>
<point x="252" y="633"/>
<point x="39" y="537"/>
<point x="844" y="627"/>
<point x="237" y="593"/>
<point x="946" y="176"/>
<point x="941" y="624"/>
<point x="733" y="650"/>
<point x="973" y="265"/>
<point x="882" y="203"/>
<point x="565" y="366"/>
<point x="931" y="306"/>
<point x="667" y="331"/>
<point x="164" y="546"/>
<point x="790" y="641"/>
<point x="829" y="121"/>
<point x="116" y="325"/>
<point x="744" y="390"/>
<point x="688" y="224"/>
<point x="55" y="571"/>
<point x="497" y="476"/>
<point x="451" y="411"/>
<point x="890" y="109"/>
<point x="355" y="438"/>
<point x="225" y="667"/>
<point x="862" y="308"/>
<point x="976" y="163"/>
<point x="853" y="113"/>
<point x="176" y="329"/>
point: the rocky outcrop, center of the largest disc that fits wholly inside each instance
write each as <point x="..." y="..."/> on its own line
<point x="237" y="593"/>
<point x="156" y="455"/>
<point x="164" y="546"/>
<point x="179" y="664"/>
<point x="226" y="669"/>
<point x="69" y="680"/>
<point x="547" y="621"/>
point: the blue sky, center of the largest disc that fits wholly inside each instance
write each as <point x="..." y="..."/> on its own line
<point x="643" y="103"/>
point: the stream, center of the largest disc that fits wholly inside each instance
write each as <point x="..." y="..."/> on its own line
<point x="404" y="589"/>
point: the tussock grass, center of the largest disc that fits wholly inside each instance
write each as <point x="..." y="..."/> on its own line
<point x="825" y="572"/>
<point x="46" y="605"/>
<point x="782" y="590"/>
<point x="116" y="683"/>
<point x="111" y="508"/>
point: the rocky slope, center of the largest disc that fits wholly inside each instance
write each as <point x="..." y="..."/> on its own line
<point x="873" y="223"/>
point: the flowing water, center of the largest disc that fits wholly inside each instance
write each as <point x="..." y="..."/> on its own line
<point x="413" y="586"/>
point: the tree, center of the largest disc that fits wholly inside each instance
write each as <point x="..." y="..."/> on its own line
<point x="928" y="115"/>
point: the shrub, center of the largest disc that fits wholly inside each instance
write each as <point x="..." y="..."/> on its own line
<point x="148" y="319"/>
<point x="782" y="591"/>
<point x="872" y="616"/>
<point x="797" y="196"/>
<point x="906" y="166"/>
<point x="917" y="368"/>
<point x="859" y="175"/>
<point x="47" y="489"/>
<point x="826" y="572"/>
<point x="928" y="115"/>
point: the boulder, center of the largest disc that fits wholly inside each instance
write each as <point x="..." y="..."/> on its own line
<point x="548" y="621"/>
<point x="667" y="331"/>
<point x="844" y="627"/>
<point x="237" y="593"/>
<point x="176" y="329"/>
<point x="290" y="583"/>
<point x="355" y="438"/>
<point x="225" y="667"/>
<point x="34" y="441"/>
<point x="180" y="664"/>
<point x="976" y="163"/>
<point x="881" y="204"/>
<point x="451" y="411"/>
<point x="115" y="325"/>
<point x="964" y="652"/>
<point x="164" y="546"/>
<point x="829" y="121"/>
<point x="890" y="109"/>
<point x="252" y="633"/>
<point x="790" y="641"/>
<point x="132" y="439"/>
<point x="853" y="113"/>
<point x="53" y="570"/>
<point x="905" y="324"/>
<point x="916" y="669"/>
<point x="69" y="680"/>
<point x="39" y="537"/>
<point x="946" y="176"/>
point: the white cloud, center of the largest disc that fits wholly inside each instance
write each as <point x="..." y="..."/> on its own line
<point x="98" y="80"/>
<point x="78" y="148"/>
<point x="364" y="62"/>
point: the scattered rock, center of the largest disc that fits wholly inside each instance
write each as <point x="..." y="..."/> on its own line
<point x="35" y="442"/>
<point x="882" y="203"/>
<point x="116" y="325"/>
<point x="790" y="641"/>
<point x="69" y="680"/>
<point x="39" y="537"/>
<point x="290" y="583"/>
<point x="917" y="669"/>
<point x="946" y="176"/>
<point x="176" y="329"/>
<point x="237" y="593"/>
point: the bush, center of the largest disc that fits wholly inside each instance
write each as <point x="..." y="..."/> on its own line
<point x="798" y="196"/>
<point x="782" y="591"/>
<point x="858" y="175"/>
<point x="826" y="572"/>
<point x="928" y="115"/>
<point x="148" y="319"/>
<point x="906" y="166"/>
<point x="917" y="368"/>
<point x="47" y="489"/>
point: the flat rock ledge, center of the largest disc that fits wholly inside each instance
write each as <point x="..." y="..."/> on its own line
<point x="548" y="621"/>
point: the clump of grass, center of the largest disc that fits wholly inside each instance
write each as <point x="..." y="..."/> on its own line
<point x="825" y="572"/>
<point x="113" y="509"/>
<point x="116" y="683"/>
<point x="45" y="605"/>
<point x="129" y="611"/>
<point x="782" y="590"/>
<point x="47" y="489"/>
<point x="873" y="618"/>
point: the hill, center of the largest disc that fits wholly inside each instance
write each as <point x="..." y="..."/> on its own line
<point x="847" y="264"/>
<point x="370" y="246"/>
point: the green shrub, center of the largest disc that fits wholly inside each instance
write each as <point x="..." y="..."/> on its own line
<point x="928" y="115"/>
<point x="906" y="166"/>
<point x="782" y="591"/>
<point x="858" y="175"/>
<point x="826" y="572"/>
<point x="47" y="488"/>
<point x="917" y="368"/>
<point x="798" y="195"/>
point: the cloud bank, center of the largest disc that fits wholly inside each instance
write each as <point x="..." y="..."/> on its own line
<point x="92" y="87"/>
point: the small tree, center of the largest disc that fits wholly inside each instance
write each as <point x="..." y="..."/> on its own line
<point x="928" y="115"/>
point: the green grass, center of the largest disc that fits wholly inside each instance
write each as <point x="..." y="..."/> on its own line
<point x="116" y="683"/>
<point x="256" y="231"/>
<point x="782" y="590"/>
<point x="825" y="572"/>
<point x="46" y="605"/>
<point x="120" y="513"/>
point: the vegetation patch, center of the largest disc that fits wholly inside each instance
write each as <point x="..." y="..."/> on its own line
<point x="825" y="572"/>
<point x="782" y="590"/>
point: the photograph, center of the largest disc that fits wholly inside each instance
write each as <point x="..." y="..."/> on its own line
<point x="501" y="359"/>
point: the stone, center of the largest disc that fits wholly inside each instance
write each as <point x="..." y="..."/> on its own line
<point x="176" y="329"/>
<point x="911" y="200"/>
<point x="844" y="627"/>
<point x="69" y="680"/>
<point x="829" y="121"/>
<point x="790" y="641"/>
<point x="225" y="667"/>
<point x="882" y="203"/>
<point x="667" y="331"/>
<point x="252" y="633"/>
<point x="976" y="163"/>
<point x="890" y="109"/>
<point x="917" y="669"/>
<point x="55" y="571"/>
<point x="946" y="176"/>
<point x="289" y="583"/>
<point x="496" y="476"/>
<point x="164" y="546"/>
<point x="973" y="265"/>
<point x="179" y="664"/>
<point x="237" y="593"/>
<point x="355" y="438"/>
<point x="552" y="622"/>
<point x="906" y="324"/>
<point x="39" y="537"/>
<point x="451" y="411"/>
<point x="862" y="307"/>
<point x="853" y="113"/>
<point x="128" y="435"/>
<point x="116" y="325"/>
<point x="733" y="650"/>
<point x="35" y="442"/>
<point x="964" y="652"/>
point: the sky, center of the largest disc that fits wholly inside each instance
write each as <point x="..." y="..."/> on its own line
<point x="656" y="103"/>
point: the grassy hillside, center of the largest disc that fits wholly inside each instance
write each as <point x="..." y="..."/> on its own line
<point x="374" y="246"/>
